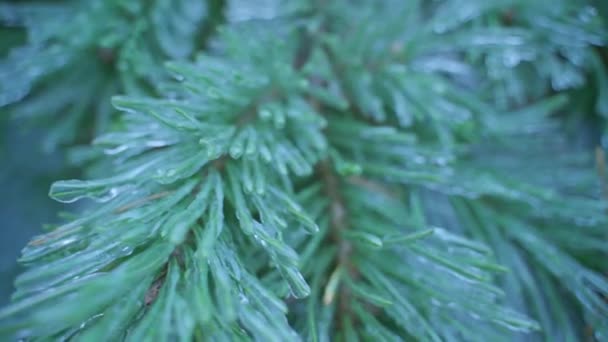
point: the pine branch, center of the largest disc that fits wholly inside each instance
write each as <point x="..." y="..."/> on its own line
<point x="335" y="172"/>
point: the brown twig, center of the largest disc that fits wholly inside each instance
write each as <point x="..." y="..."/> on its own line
<point x="106" y="55"/>
<point x="154" y="289"/>
<point x="339" y="223"/>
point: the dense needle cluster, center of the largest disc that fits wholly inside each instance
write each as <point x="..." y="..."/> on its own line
<point x="317" y="170"/>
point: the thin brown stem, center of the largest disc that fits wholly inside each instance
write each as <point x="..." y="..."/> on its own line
<point x="339" y="223"/>
<point x="154" y="289"/>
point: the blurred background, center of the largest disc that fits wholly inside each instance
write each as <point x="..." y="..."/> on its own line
<point x="26" y="173"/>
<point x="25" y="176"/>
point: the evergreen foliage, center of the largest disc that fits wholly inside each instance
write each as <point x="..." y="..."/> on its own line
<point x="318" y="170"/>
<point x="80" y="53"/>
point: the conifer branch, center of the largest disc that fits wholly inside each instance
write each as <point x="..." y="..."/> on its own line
<point x="316" y="171"/>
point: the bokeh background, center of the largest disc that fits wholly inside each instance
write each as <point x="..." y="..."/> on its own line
<point x="26" y="173"/>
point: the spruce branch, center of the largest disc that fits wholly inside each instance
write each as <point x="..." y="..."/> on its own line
<point x="297" y="180"/>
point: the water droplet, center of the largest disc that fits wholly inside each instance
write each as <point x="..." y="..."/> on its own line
<point x="243" y="298"/>
<point x="72" y="190"/>
<point x="587" y="14"/>
<point x="441" y="161"/>
<point x="419" y="159"/>
<point x="116" y="150"/>
<point x="236" y="151"/>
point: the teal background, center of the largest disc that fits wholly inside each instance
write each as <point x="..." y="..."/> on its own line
<point x="25" y="176"/>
